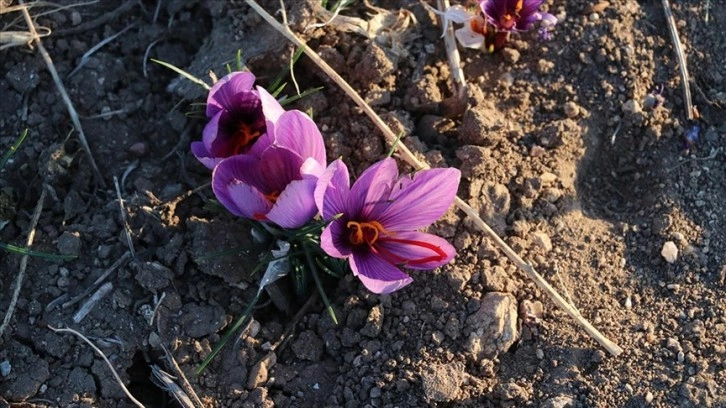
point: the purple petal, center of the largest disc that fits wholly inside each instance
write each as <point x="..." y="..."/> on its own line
<point x="295" y="130"/>
<point x="203" y="155"/>
<point x="418" y="202"/>
<point x="239" y="197"/>
<point x="331" y="192"/>
<point x="377" y="275"/>
<point x="296" y="205"/>
<point x="369" y="195"/>
<point x="271" y="108"/>
<point x="220" y="95"/>
<point x="210" y="132"/>
<point x="417" y="250"/>
<point x="259" y="146"/>
<point x="333" y="240"/>
<point x="278" y="167"/>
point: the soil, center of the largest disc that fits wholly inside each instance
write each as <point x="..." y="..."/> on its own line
<point x="558" y="151"/>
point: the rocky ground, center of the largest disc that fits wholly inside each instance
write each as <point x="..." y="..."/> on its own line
<point x="560" y="152"/>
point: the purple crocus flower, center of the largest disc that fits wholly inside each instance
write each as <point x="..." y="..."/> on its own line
<point x="374" y="223"/>
<point x="276" y="185"/>
<point x="239" y="118"/>
<point x="512" y="15"/>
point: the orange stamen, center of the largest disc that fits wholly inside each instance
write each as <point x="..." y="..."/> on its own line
<point x="365" y="232"/>
<point x="244" y="137"/>
<point x="273" y="196"/>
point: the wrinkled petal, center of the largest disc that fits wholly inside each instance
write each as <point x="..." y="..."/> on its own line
<point x="369" y="195"/>
<point x="240" y="198"/>
<point x="221" y="94"/>
<point x="296" y="205"/>
<point x="203" y="155"/>
<point x="333" y="240"/>
<point x="422" y="250"/>
<point x="295" y="131"/>
<point x="331" y="192"/>
<point x="468" y="38"/>
<point x="377" y="275"/>
<point x="418" y="202"/>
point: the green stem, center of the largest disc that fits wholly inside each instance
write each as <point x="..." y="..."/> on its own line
<point x="319" y="284"/>
<point x="230" y="333"/>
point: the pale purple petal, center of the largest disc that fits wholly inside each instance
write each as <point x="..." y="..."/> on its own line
<point x="369" y="195"/>
<point x="261" y="144"/>
<point x="420" y="249"/>
<point x="240" y="198"/>
<point x="468" y="38"/>
<point x="271" y="108"/>
<point x="377" y="275"/>
<point x="295" y="130"/>
<point x="211" y="131"/>
<point x="331" y="192"/>
<point x="203" y="155"/>
<point x="221" y="94"/>
<point x="296" y="205"/>
<point x="419" y="202"/>
<point x="333" y="240"/>
<point x="547" y="19"/>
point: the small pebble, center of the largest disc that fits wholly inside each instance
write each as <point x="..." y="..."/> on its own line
<point x="669" y="251"/>
<point x="648" y="397"/>
<point x="594" y="17"/>
<point x="139" y="149"/>
<point x="540" y="354"/>
<point x="628" y="388"/>
<point x="681" y="356"/>
<point x="571" y="109"/>
<point x="5" y="368"/>
<point x="628" y="303"/>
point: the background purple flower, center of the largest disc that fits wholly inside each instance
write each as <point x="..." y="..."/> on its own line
<point x="513" y="15"/>
<point x="239" y="119"/>
<point x="278" y="184"/>
<point x="379" y="216"/>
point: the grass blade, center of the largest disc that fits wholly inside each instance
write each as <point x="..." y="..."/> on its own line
<point x="13" y="149"/>
<point x="183" y="73"/>
<point x="38" y="254"/>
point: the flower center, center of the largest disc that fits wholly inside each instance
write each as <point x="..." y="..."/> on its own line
<point x="508" y="20"/>
<point x="244" y="136"/>
<point x="365" y="232"/>
<point x="273" y="196"/>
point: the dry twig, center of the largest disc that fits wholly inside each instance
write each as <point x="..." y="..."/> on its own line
<point x="119" y="263"/>
<point x="23" y="263"/>
<point x="452" y="53"/>
<point x="409" y="157"/>
<point x="108" y="363"/>
<point x="127" y="228"/>
<point x="685" y="79"/>
<point x="64" y="95"/>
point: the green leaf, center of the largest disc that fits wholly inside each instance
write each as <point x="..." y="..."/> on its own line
<point x="183" y="73"/>
<point x="38" y="254"/>
<point x="13" y="148"/>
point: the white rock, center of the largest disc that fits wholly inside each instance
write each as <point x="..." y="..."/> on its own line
<point x="669" y="251"/>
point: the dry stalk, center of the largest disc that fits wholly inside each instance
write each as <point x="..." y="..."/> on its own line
<point x="23" y="263"/>
<point x="119" y="262"/>
<point x="108" y="363"/>
<point x="409" y="157"/>
<point x="180" y="374"/>
<point x="64" y="95"/>
<point x="122" y="209"/>
<point x="452" y="53"/>
<point x="685" y="79"/>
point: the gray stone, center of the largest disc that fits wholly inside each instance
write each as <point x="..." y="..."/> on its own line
<point x="308" y="346"/>
<point x="261" y="370"/>
<point x="442" y="382"/>
<point x="69" y="243"/>
<point x="493" y="326"/>
<point x="374" y="322"/>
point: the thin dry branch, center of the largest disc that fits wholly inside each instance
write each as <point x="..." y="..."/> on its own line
<point x="64" y="95"/>
<point x="452" y="53"/>
<point x="108" y="363"/>
<point x="97" y="283"/>
<point x="685" y="79"/>
<point x="409" y="157"/>
<point x="23" y="263"/>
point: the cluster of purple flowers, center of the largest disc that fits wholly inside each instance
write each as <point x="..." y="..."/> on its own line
<point x="269" y="165"/>
<point x="490" y="26"/>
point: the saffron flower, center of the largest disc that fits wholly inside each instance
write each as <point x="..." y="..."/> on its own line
<point x="239" y="118"/>
<point x="490" y="27"/>
<point x="276" y="185"/>
<point x="374" y="223"/>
